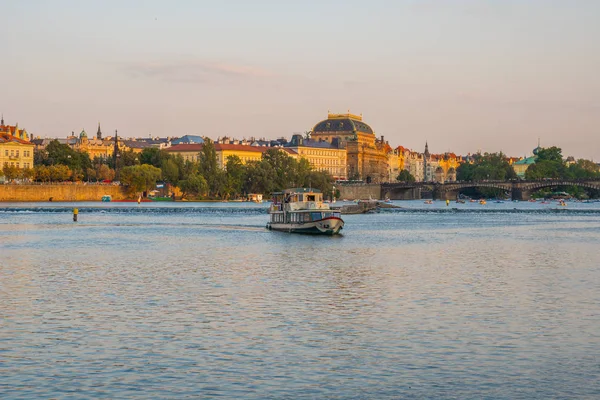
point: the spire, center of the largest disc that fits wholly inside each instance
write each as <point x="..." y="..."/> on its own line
<point x="2" y="121"/>
<point x="426" y="149"/>
<point x="99" y="133"/>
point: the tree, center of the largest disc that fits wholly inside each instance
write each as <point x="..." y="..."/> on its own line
<point x="57" y="153"/>
<point x="170" y="171"/>
<point x="42" y="173"/>
<point x="487" y="166"/>
<point x="59" y="173"/>
<point x="140" y="178"/>
<point x="104" y="172"/>
<point x="28" y="173"/>
<point x="194" y="185"/>
<point x="154" y="156"/>
<point x="405" y="176"/>
<point x="236" y="175"/>
<point x="11" y="172"/>
<point x="209" y="167"/>
<point x="550" y="154"/>
<point x="548" y="164"/>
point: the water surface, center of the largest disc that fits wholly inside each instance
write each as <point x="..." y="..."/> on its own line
<point x="172" y="300"/>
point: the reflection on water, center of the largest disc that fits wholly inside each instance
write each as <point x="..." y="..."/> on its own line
<point x="203" y="301"/>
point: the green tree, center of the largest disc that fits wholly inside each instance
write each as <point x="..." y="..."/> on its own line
<point x="209" y="167"/>
<point x="236" y="175"/>
<point x="550" y="154"/>
<point x="194" y="185"/>
<point x="548" y="164"/>
<point x="487" y="166"/>
<point x="170" y="171"/>
<point x="405" y="176"/>
<point x="57" y="153"/>
<point x="140" y="178"/>
<point x="154" y="156"/>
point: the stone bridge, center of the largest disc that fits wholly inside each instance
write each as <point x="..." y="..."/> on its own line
<point x="519" y="190"/>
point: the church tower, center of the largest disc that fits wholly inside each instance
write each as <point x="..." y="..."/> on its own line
<point x="426" y="174"/>
<point x="99" y="133"/>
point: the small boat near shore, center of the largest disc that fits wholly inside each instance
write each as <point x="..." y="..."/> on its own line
<point x="302" y="210"/>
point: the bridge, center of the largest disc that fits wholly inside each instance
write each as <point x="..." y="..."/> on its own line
<point x="518" y="189"/>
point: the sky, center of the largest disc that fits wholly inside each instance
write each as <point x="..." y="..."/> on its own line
<point x="463" y="75"/>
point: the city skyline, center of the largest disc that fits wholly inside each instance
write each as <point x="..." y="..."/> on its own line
<point x="462" y="75"/>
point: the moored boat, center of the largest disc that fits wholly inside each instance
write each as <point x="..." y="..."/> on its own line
<point x="302" y="210"/>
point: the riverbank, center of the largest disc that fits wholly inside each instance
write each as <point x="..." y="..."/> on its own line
<point x="74" y="192"/>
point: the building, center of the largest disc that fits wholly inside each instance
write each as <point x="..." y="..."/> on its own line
<point x="188" y="139"/>
<point x="521" y="166"/>
<point x="246" y="153"/>
<point x="322" y="155"/>
<point x="15" y="149"/>
<point x="367" y="156"/>
<point x="95" y="147"/>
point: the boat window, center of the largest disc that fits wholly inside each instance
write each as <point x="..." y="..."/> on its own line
<point x="310" y="197"/>
<point x="316" y="216"/>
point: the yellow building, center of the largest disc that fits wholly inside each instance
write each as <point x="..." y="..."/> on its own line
<point x="246" y="153"/>
<point x="94" y="147"/>
<point x="322" y="156"/>
<point x="15" y="149"/>
<point x="367" y="156"/>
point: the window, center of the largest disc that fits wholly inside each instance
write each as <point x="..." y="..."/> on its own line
<point x="17" y="153"/>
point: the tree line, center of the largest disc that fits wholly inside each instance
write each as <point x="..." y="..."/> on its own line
<point x="196" y="179"/>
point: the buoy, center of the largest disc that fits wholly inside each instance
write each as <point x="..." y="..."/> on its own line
<point x="75" y="213"/>
<point x="139" y="199"/>
<point x="447" y="203"/>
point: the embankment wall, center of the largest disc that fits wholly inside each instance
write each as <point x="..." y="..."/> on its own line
<point x="360" y="191"/>
<point x="75" y="192"/>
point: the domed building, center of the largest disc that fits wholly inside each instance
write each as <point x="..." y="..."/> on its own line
<point x="366" y="156"/>
<point x="521" y="166"/>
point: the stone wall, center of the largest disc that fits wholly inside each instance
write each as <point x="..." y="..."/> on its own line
<point x="73" y="192"/>
<point x="360" y="191"/>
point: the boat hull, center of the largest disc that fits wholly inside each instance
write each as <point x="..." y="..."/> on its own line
<point x="327" y="226"/>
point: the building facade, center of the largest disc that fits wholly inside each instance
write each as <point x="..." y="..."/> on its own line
<point x="322" y="155"/>
<point x="246" y="153"/>
<point x="15" y="149"/>
<point x="366" y="156"/>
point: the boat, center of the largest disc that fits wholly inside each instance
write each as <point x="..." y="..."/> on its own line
<point x="428" y="202"/>
<point x="106" y="198"/>
<point x="482" y="202"/>
<point x="255" y="197"/>
<point x="302" y="210"/>
<point x="459" y="201"/>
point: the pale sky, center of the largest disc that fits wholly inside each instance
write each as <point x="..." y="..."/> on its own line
<point x="489" y="75"/>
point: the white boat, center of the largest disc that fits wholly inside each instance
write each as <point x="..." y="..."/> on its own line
<point x="302" y="210"/>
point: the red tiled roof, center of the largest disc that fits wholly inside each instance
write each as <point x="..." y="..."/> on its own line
<point x="221" y="147"/>
<point x="241" y="147"/>
<point x="5" y="138"/>
<point x="185" y="147"/>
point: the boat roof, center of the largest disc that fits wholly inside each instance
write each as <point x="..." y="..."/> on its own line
<point x="299" y="190"/>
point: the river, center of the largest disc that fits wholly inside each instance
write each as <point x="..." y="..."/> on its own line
<point x="178" y="300"/>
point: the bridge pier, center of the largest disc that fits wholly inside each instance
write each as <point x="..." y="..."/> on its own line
<point x="520" y="194"/>
<point x="413" y="193"/>
<point x="446" y="194"/>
